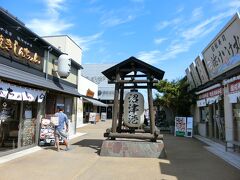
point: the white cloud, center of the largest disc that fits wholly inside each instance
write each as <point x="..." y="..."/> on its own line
<point x="204" y="27"/>
<point x="159" y="40"/>
<point x="45" y="27"/>
<point x="197" y="13"/>
<point x="180" y="9"/>
<point x="114" y="20"/>
<point x="50" y="23"/>
<point x="86" y="41"/>
<point x="165" y="24"/>
<point x="185" y="39"/>
<point x="149" y="56"/>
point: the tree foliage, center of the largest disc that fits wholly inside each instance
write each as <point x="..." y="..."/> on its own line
<point x="175" y="96"/>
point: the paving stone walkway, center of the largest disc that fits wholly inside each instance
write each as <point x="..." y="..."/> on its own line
<point x="187" y="159"/>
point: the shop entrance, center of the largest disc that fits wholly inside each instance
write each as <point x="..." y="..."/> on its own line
<point x="216" y="125"/>
<point x="18" y="121"/>
<point x="9" y="124"/>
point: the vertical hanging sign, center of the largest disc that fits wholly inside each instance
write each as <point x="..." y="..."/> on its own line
<point x="133" y="109"/>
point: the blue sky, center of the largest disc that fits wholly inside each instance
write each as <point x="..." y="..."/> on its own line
<point x="167" y="34"/>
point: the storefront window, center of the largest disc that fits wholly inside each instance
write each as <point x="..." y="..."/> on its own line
<point x="204" y="114"/>
<point x="236" y="123"/>
<point x="28" y="123"/>
<point x="9" y="124"/>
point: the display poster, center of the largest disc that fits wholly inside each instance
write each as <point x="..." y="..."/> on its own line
<point x="223" y="53"/>
<point x="92" y="117"/>
<point x="180" y="126"/>
<point x="103" y="116"/>
<point x="201" y="70"/>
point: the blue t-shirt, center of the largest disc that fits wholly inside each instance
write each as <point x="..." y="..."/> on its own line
<point x="62" y="119"/>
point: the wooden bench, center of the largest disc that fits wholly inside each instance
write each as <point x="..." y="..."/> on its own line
<point x="235" y="145"/>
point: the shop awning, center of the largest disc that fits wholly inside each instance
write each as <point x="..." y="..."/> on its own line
<point x="95" y="102"/>
<point x="31" y="79"/>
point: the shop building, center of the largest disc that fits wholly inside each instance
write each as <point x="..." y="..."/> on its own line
<point x="31" y="85"/>
<point x="88" y="102"/>
<point x="93" y="72"/>
<point x="214" y="77"/>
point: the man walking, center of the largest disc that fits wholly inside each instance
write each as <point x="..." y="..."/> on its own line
<point x="59" y="129"/>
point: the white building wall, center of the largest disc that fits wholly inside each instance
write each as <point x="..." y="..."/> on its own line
<point x="83" y="85"/>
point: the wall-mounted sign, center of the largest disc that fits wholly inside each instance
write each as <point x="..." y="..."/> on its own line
<point x="190" y="79"/>
<point x="90" y="93"/>
<point x="212" y="93"/>
<point x="18" y="93"/>
<point x="133" y="109"/>
<point x="201" y="70"/>
<point x="19" y="47"/>
<point x="223" y="53"/>
<point x="195" y="75"/>
<point x="234" y="86"/>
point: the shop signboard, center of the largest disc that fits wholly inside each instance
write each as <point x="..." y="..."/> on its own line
<point x="18" y="93"/>
<point x="19" y="47"/>
<point x="234" y="91"/>
<point x="223" y="53"/>
<point x="190" y="79"/>
<point x="92" y="117"/>
<point x="133" y="109"/>
<point x="201" y="70"/>
<point x="180" y="126"/>
<point x="234" y="86"/>
<point x="195" y="75"/>
<point x="103" y="116"/>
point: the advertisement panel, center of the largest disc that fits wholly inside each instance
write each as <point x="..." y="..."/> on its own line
<point x="190" y="79"/>
<point x="195" y="75"/>
<point x="201" y="70"/>
<point x="180" y="126"/>
<point x="223" y="53"/>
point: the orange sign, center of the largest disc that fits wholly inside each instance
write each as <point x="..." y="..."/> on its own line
<point x="90" y="93"/>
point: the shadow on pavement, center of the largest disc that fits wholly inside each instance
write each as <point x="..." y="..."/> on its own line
<point x="187" y="159"/>
<point x="91" y="143"/>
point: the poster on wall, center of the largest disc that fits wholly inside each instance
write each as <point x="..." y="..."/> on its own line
<point x="223" y="53"/>
<point x="180" y="126"/>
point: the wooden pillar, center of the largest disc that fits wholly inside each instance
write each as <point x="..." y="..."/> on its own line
<point x="150" y="105"/>
<point x="115" y="105"/>
<point x="120" y="109"/>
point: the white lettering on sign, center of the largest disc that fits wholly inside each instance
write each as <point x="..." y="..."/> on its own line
<point x="134" y="109"/>
<point x="214" y="92"/>
<point x="234" y="87"/>
<point x="224" y="52"/>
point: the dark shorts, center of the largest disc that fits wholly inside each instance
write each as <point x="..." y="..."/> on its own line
<point x="62" y="134"/>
